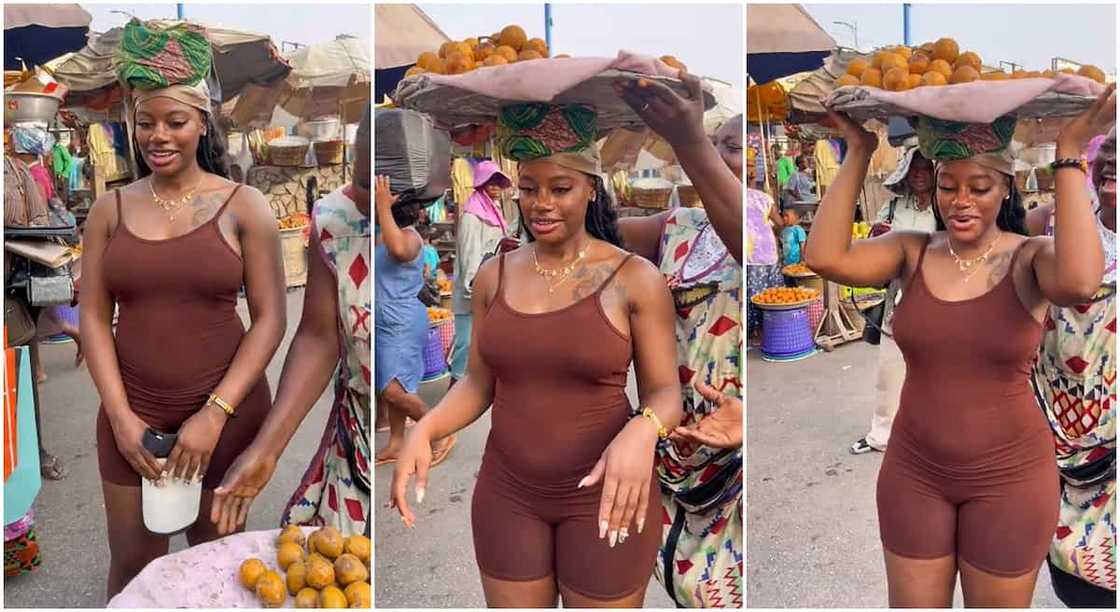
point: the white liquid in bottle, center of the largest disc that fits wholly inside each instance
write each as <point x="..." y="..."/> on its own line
<point x="172" y="507"/>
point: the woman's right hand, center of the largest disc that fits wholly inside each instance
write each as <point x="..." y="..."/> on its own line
<point x="853" y="133"/>
<point x="128" y="431"/>
<point x="415" y="458"/>
<point x="383" y="198"/>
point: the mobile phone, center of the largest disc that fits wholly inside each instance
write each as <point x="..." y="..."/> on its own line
<point x="159" y="443"/>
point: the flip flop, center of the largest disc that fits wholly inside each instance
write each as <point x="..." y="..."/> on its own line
<point x="51" y="468"/>
<point x="443" y="453"/>
<point x="377" y="462"/>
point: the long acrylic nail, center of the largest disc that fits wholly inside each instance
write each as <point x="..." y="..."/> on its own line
<point x="582" y="483"/>
<point x="613" y="537"/>
<point x="641" y="524"/>
<point x="603" y="529"/>
<point x="420" y="495"/>
<point x="622" y="535"/>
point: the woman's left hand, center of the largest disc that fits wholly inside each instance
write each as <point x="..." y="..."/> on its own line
<point x="197" y="438"/>
<point x="678" y="120"/>
<point x="625" y="469"/>
<point x="383" y="198"/>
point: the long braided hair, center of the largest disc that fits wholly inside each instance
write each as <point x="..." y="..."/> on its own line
<point x="211" y="154"/>
<point x="601" y="220"/>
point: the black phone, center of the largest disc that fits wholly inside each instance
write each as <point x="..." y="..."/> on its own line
<point x="159" y="443"/>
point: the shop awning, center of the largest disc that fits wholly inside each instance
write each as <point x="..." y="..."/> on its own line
<point x="35" y="34"/>
<point x="783" y="39"/>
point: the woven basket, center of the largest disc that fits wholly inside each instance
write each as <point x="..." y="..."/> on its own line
<point x="294" y="248"/>
<point x="328" y="152"/>
<point x="287" y="155"/>
<point x="652" y="198"/>
<point x="689" y="197"/>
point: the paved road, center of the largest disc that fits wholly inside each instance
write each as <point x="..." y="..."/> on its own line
<point x="70" y="514"/>
<point x="812" y="533"/>
<point x="433" y="566"/>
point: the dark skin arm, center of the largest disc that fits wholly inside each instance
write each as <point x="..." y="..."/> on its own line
<point x="680" y="122"/>
<point x="402" y="244"/>
<point x="96" y="327"/>
<point x="311" y="360"/>
<point x="259" y="237"/>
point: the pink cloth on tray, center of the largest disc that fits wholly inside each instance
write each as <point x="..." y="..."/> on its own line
<point x="983" y="101"/>
<point x="522" y="81"/>
<point x="203" y="576"/>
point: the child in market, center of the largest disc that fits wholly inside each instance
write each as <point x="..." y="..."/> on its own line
<point x="793" y="237"/>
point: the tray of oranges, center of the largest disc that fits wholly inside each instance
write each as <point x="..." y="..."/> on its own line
<point x="437" y="315"/>
<point x="798" y="270"/>
<point x="785" y="298"/>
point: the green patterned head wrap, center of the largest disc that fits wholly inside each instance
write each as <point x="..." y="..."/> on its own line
<point x="940" y="140"/>
<point x="565" y="134"/>
<point x="151" y="57"/>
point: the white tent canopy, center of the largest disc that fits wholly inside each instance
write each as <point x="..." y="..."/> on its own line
<point x="403" y="32"/>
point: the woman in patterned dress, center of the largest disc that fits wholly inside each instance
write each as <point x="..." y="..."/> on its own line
<point x="1075" y="382"/>
<point x="334" y="331"/>
<point x="699" y="251"/>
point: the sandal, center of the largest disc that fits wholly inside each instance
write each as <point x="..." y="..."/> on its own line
<point x="445" y="450"/>
<point x="51" y="468"/>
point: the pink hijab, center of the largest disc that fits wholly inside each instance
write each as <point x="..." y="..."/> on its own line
<point x="480" y="204"/>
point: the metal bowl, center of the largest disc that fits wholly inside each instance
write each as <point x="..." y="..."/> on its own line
<point x="21" y="107"/>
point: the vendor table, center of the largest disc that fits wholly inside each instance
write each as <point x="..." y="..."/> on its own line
<point x="203" y="576"/>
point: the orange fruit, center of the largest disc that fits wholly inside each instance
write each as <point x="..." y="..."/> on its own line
<point x="428" y="61"/>
<point x="459" y="63"/>
<point x="483" y="51"/>
<point x="494" y="60"/>
<point x="915" y="81"/>
<point x="507" y="52"/>
<point x="270" y="590"/>
<point x="348" y="569"/>
<point x="513" y="36"/>
<point x="528" y="54"/>
<point x="539" y="45"/>
<point x="319" y="571"/>
<point x="307" y="598"/>
<point x="927" y="48"/>
<point x="968" y="58"/>
<point x="471" y="42"/>
<point x="934" y="78"/>
<point x="332" y="597"/>
<point x="357" y="595"/>
<point x="292" y="533"/>
<point x="673" y="62"/>
<point x="445" y="47"/>
<point x="942" y="66"/>
<point x="296" y="577"/>
<point x="288" y="553"/>
<point x="250" y="572"/>
<point x="846" y="81"/>
<point x="872" y="77"/>
<point x="857" y="66"/>
<point x="1092" y="72"/>
<point x="892" y="60"/>
<point x="919" y="63"/>
<point x="998" y="75"/>
<point x="964" y="74"/>
<point x="904" y="51"/>
<point x="946" y="49"/>
<point x="357" y="545"/>
<point x="897" y="79"/>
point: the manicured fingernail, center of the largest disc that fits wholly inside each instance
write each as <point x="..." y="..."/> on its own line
<point x="622" y="535"/>
<point x="420" y="495"/>
<point x="613" y="537"/>
<point x="641" y="524"/>
<point x="582" y="483"/>
<point x="603" y="529"/>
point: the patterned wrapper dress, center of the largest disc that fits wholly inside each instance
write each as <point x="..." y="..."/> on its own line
<point x="335" y="488"/>
<point x="701" y="559"/>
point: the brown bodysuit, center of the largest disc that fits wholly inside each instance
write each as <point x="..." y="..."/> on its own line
<point x="559" y="400"/>
<point x="177" y="334"/>
<point x="970" y="468"/>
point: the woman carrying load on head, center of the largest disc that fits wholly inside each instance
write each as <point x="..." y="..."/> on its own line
<point x="968" y="484"/>
<point x="171" y="251"/>
<point x="699" y="253"/>
<point x="566" y="499"/>
<point x="1075" y="382"/>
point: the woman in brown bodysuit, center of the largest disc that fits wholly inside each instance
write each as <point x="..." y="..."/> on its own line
<point x="566" y="499"/>
<point x="172" y="250"/>
<point x="968" y="483"/>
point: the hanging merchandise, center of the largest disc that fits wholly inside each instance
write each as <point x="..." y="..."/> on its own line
<point x="61" y="161"/>
<point x="462" y="180"/>
<point x="102" y="151"/>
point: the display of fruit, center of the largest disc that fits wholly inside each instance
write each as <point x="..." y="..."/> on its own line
<point x="250" y="572"/>
<point x="358" y="595"/>
<point x="446" y="286"/>
<point x="438" y="315"/>
<point x="291" y="533"/>
<point x="510" y="45"/>
<point x="358" y="545"/>
<point x="797" y="269"/>
<point x="935" y="64"/>
<point x="332" y="597"/>
<point x="288" y="553"/>
<point x="307" y="598"/>
<point x="271" y="591"/>
<point x="348" y="569"/>
<point x="294" y="221"/>
<point x="777" y="296"/>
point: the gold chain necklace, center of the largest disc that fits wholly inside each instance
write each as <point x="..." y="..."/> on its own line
<point x="551" y="276"/>
<point x="967" y="266"/>
<point x="172" y="207"/>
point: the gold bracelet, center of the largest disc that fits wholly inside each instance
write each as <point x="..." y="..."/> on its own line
<point x="648" y="413"/>
<point x="221" y="403"/>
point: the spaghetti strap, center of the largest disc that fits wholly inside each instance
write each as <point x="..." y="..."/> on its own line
<point x="117" y="191"/>
<point x="501" y="273"/>
<point x="918" y="268"/>
<point x="229" y="199"/>
<point x="616" y="270"/>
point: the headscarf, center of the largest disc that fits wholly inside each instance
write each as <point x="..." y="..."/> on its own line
<point x="562" y="134"/>
<point x="941" y="141"/>
<point x="31" y="139"/>
<point x="480" y="204"/>
<point x="171" y="62"/>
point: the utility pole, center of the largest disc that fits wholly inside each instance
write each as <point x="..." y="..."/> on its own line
<point x="548" y="25"/>
<point x="179" y="10"/>
<point x="906" y="24"/>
